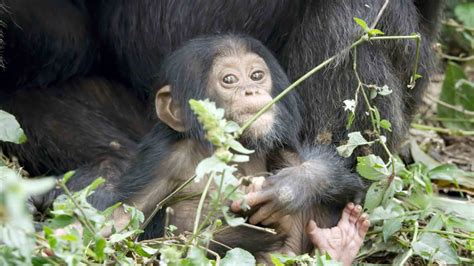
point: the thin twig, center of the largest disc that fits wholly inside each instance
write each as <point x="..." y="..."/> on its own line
<point x="258" y="228"/>
<point x="201" y="204"/>
<point x="379" y="15"/>
<point x="450" y="106"/>
<point x="457" y="58"/>
<point x="294" y="85"/>
<point x="70" y="196"/>
<point x="453" y="23"/>
<point x="453" y="132"/>
<point x="220" y="244"/>
<point x="161" y="203"/>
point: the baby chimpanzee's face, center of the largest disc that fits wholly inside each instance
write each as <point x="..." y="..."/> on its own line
<point x="241" y="83"/>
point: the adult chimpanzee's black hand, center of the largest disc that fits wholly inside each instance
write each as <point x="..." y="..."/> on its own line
<point x="279" y="195"/>
<point x="320" y="178"/>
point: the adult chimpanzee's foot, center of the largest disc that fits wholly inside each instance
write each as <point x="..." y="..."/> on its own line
<point x="343" y="241"/>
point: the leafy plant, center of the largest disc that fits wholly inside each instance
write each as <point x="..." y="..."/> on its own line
<point x="457" y="95"/>
<point x="411" y="220"/>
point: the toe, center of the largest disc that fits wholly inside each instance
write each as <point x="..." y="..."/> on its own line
<point x="346" y="213"/>
<point x="312" y="229"/>
<point x="363" y="225"/>
<point x="355" y="213"/>
<point x="311" y="226"/>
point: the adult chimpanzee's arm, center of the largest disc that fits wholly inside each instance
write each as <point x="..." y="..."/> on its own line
<point x="45" y="41"/>
<point x="315" y="176"/>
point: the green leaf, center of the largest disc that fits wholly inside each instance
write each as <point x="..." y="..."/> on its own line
<point x="230" y="218"/>
<point x="68" y="176"/>
<point x="115" y="238"/>
<point x="376" y="114"/>
<point x="240" y="158"/>
<point x="465" y="13"/>
<point x="94" y="185"/>
<point x="374" y="195"/>
<point x="110" y="210"/>
<point x="447" y="172"/>
<point x="206" y="166"/>
<point x="355" y="139"/>
<point x="350" y="120"/>
<point x="434" y="247"/>
<point x="60" y="221"/>
<point x="362" y="24"/>
<point x="275" y="260"/>
<point x="145" y="251"/>
<point x="197" y="256"/>
<point x="390" y="227"/>
<point x="375" y="32"/>
<point x="231" y="127"/>
<point x="38" y="186"/>
<point x="238" y="257"/>
<point x="372" y="167"/>
<point x="421" y="156"/>
<point x="462" y="208"/>
<point x="10" y="130"/>
<point x="459" y="92"/>
<point x="237" y="146"/>
<point x="99" y="248"/>
<point x="385" y="124"/>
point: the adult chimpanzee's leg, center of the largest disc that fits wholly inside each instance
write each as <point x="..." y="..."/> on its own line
<point x="91" y="126"/>
<point x="327" y="28"/>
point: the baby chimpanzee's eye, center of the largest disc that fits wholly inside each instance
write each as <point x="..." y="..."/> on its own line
<point x="230" y="79"/>
<point x="257" y="75"/>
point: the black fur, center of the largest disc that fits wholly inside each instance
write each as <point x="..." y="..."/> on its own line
<point x="51" y="42"/>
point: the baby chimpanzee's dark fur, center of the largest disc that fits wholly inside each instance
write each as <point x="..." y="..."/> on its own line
<point x="305" y="178"/>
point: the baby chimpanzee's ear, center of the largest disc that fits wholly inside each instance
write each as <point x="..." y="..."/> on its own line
<point x="168" y="111"/>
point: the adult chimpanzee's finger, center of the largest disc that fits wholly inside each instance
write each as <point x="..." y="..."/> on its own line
<point x="262" y="214"/>
<point x="274" y="218"/>
<point x="257" y="183"/>
<point x="256" y="198"/>
<point x="253" y="199"/>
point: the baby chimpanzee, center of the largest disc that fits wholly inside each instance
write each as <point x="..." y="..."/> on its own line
<point x="241" y="76"/>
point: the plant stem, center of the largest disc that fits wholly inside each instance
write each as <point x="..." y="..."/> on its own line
<point x="457" y="58"/>
<point x="401" y="37"/>
<point x="215" y="204"/>
<point x="161" y="203"/>
<point x="201" y="205"/>
<point x="361" y="40"/>
<point x="450" y="106"/>
<point x="68" y="193"/>
<point x="249" y="122"/>
<point x="410" y="252"/>
<point x="447" y="119"/>
<point x="379" y="15"/>
<point x="417" y="60"/>
<point x="417" y="38"/>
<point x="453" y="132"/>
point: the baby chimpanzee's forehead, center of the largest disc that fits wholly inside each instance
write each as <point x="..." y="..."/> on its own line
<point x="244" y="58"/>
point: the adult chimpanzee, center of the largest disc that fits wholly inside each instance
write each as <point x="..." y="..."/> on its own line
<point x="242" y="76"/>
<point x="49" y="42"/>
